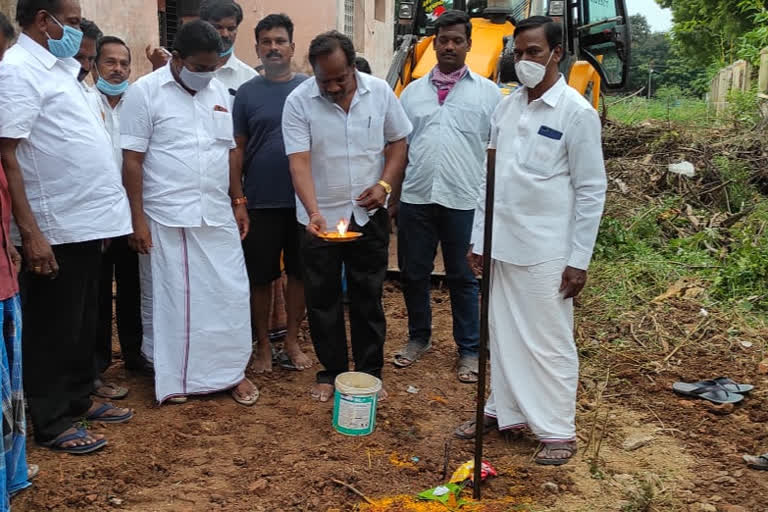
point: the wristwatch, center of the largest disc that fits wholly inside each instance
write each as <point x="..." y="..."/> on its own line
<point x="387" y="187"/>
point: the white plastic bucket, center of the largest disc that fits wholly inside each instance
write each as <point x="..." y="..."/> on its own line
<point x="354" y="403"/>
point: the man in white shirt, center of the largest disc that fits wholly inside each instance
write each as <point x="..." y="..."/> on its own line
<point x="67" y="197"/>
<point x="86" y="56"/>
<point x="335" y="128"/>
<point x="111" y="72"/>
<point x="450" y="109"/>
<point x="226" y="17"/>
<point x="189" y="216"/>
<point x="550" y="190"/>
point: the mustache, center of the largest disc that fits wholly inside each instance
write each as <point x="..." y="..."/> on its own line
<point x="274" y="53"/>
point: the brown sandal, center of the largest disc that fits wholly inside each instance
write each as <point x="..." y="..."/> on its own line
<point x="548" y="448"/>
<point x="462" y="431"/>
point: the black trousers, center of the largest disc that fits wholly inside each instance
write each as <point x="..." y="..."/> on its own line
<point x="365" y="262"/>
<point x="121" y="262"/>
<point x="58" y="338"/>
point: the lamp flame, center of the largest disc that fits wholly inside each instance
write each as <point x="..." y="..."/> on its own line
<point x="342" y="226"/>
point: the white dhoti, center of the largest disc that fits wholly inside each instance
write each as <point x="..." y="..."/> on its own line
<point x="534" y="362"/>
<point x="195" y="309"/>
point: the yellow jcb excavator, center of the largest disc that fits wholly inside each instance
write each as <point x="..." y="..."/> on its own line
<point x="595" y="42"/>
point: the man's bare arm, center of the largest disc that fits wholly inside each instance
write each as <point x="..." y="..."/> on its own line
<point x="133" y="181"/>
<point x="37" y="251"/>
<point x="394" y="169"/>
<point x="301" y="175"/>
<point x="236" y="185"/>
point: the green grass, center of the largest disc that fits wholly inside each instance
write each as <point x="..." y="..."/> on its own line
<point x="638" y="256"/>
<point x="687" y="111"/>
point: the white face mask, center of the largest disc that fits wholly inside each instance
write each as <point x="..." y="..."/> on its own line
<point x="197" y="81"/>
<point x="531" y="73"/>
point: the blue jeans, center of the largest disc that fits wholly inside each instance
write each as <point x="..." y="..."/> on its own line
<point x="420" y="228"/>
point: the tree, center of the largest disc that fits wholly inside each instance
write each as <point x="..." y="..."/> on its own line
<point x="718" y="31"/>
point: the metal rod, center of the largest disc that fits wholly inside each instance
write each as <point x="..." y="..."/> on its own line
<point x="485" y="287"/>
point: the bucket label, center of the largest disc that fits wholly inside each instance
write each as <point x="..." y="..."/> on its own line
<point x="354" y="415"/>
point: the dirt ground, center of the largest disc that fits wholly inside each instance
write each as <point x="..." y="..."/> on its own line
<point x="280" y="455"/>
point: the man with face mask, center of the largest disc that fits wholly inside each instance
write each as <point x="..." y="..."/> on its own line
<point x="226" y="17"/>
<point x="258" y="113"/>
<point x="110" y="74"/>
<point x="451" y="110"/>
<point x="86" y="56"/>
<point x="189" y="217"/>
<point x="550" y="190"/>
<point x="335" y="128"/>
<point x="67" y="197"/>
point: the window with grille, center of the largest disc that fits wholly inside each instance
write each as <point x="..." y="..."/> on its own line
<point x="349" y="18"/>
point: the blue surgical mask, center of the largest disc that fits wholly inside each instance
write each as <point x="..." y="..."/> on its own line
<point x="227" y="53"/>
<point x="68" y="45"/>
<point x="111" y="89"/>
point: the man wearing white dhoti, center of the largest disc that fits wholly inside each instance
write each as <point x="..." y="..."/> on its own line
<point x="550" y="190"/>
<point x="177" y="134"/>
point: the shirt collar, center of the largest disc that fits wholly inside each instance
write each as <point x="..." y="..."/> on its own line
<point x="39" y="52"/>
<point x="552" y="95"/>
<point x="363" y="86"/>
<point x="166" y="76"/>
<point x="232" y="63"/>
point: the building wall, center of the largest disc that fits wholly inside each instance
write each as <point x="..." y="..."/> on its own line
<point x="134" y="21"/>
<point x="379" y="34"/>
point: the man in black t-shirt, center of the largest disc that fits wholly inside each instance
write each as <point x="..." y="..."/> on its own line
<point x="257" y="117"/>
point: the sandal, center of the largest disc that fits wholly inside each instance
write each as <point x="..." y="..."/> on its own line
<point x="728" y="385"/>
<point x="109" y="390"/>
<point x="462" y="431"/>
<point x="98" y="415"/>
<point x="247" y="400"/>
<point x="760" y="462"/>
<point x="708" y="391"/>
<point x="411" y="353"/>
<point x="547" y="449"/>
<point x="468" y="369"/>
<point x="56" y="445"/>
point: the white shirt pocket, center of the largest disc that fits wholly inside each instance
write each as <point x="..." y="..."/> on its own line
<point x="222" y="127"/>
<point x="545" y="150"/>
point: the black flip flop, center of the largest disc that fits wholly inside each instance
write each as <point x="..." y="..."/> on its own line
<point x="411" y="353"/>
<point x="460" y="431"/>
<point x="728" y="385"/>
<point x="759" y="462"/>
<point x="712" y="392"/>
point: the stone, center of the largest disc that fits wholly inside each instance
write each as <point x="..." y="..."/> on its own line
<point x="635" y="442"/>
<point x="720" y="409"/>
<point x="762" y="368"/>
<point x="731" y="508"/>
<point x="715" y="499"/>
<point x="623" y="477"/>
<point x="114" y="500"/>
<point x="90" y="498"/>
<point x="550" y="487"/>
<point x="704" y="507"/>
<point x="726" y="480"/>
<point x="259" y="486"/>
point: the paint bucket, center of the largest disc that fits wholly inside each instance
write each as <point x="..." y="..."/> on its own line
<point x="354" y="403"/>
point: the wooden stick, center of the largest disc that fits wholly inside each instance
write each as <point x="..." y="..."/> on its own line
<point x="485" y="300"/>
<point x="344" y="484"/>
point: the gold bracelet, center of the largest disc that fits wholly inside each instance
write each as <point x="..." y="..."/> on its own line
<point x="240" y="200"/>
<point x="387" y="187"/>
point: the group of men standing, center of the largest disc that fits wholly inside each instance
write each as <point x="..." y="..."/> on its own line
<point x="197" y="185"/>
